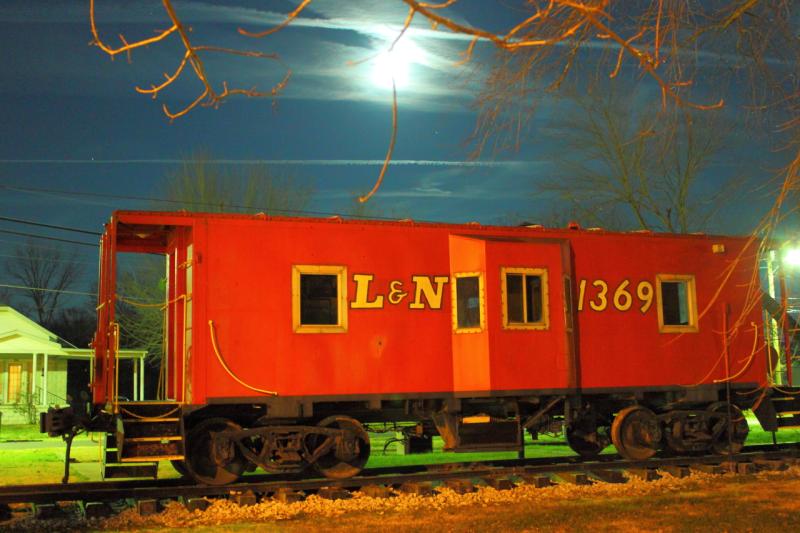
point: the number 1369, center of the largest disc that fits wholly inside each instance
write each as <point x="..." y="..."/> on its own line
<point x="598" y="295"/>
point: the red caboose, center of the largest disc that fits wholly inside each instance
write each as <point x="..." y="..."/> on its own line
<point x="285" y="336"/>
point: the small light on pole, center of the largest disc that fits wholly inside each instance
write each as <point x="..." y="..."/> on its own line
<point x="791" y="257"/>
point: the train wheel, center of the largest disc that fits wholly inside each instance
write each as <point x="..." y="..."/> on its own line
<point x="723" y="440"/>
<point x="636" y="433"/>
<point x="588" y="445"/>
<point x="213" y="463"/>
<point x="348" y="457"/>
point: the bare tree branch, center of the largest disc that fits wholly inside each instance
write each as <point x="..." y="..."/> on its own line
<point x="43" y="268"/>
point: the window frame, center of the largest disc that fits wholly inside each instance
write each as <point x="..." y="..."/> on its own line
<point x="481" y="301"/>
<point x="544" y="323"/>
<point x="328" y="270"/>
<point x="691" y="303"/>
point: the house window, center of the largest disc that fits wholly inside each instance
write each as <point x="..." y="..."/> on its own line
<point x="319" y="299"/>
<point x="524" y="298"/>
<point x="468" y="302"/>
<point x="677" y="303"/>
<point x="14" y="382"/>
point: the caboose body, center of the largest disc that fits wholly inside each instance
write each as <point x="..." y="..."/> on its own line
<point x="284" y="337"/>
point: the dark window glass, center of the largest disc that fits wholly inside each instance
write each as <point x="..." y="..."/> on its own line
<point x="468" y="302"/>
<point x="319" y="299"/>
<point x="514" y="298"/>
<point x="674" y="303"/>
<point x="533" y="292"/>
<point x="523" y="298"/>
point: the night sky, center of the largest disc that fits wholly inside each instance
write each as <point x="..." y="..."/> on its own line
<point x="70" y="119"/>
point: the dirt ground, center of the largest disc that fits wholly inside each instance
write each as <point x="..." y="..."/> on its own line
<point x="768" y="501"/>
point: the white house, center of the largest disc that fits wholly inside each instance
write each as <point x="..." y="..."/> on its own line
<point x="33" y="368"/>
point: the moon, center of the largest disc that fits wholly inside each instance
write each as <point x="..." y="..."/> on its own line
<point x="396" y="64"/>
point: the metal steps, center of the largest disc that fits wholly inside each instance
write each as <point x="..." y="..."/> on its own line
<point x="787" y="408"/>
<point x="146" y="433"/>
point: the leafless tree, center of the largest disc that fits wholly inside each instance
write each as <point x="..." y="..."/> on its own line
<point x="753" y="42"/>
<point x="621" y="165"/>
<point x="141" y="287"/>
<point x="45" y="273"/>
<point x="5" y="296"/>
<point x="201" y="184"/>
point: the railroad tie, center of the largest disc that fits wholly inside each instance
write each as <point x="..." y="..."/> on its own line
<point x="574" y="478"/>
<point x="147" y="507"/>
<point x="770" y="464"/>
<point x="423" y="488"/>
<point x="499" y="483"/>
<point x="244" y="498"/>
<point x="609" y="476"/>
<point x="285" y="495"/>
<point x="460" y="486"/>
<point x="376" y="491"/>
<point x="645" y="474"/>
<point x="47" y="511"/>
<point x="678" y="471"/>
<point x="537" y="480"/>
<point x="196" y="504"/>
<point x="708" y="468"/>
<point x="97" y="510"/>
<point x="334" y="493"/>
<point x="739" y="467"/>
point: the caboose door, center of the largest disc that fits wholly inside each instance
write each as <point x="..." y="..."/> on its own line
<point x="179" y="311"/>
<point x="524" y="340"/>
<point x="531" y="343"/>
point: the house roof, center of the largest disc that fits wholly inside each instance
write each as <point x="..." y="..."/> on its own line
<point x="21" y="335"/>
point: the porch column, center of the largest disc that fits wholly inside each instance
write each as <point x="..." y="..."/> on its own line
<point x="34" y="392"/>
<point x="141" y="378"/>
<point x="135" y="380"/>
<point x="44" y="382"/>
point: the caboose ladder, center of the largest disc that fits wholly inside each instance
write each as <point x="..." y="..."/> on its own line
<point x="146" y="433"/>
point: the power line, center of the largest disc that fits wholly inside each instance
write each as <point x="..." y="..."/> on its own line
<point x="51" y="226"/>
<point x="50" y="260"/>
<point x="42" y="289"/>
<point x="33" y="235"/>
<point x="54" y="192"/>
<point x="43" y="247"/>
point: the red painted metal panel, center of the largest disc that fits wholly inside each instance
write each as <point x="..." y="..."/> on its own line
<point x="243" y="283"/>
<point x="626" y="349"/>
<point x="394" y="348"/>
<point x="471" y="354"/>
<point x="527" y="359"/>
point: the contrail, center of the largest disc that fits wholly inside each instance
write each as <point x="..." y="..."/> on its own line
<point x="293" y="162"/>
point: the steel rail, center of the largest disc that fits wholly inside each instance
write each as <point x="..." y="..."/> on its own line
<point x="102" y="491"/>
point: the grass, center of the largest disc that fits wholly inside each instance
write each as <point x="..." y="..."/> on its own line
<point x="29" y="433"/>
<point x="21" y="433"/>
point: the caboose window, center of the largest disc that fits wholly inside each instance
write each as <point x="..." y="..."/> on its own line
<point x="468" y="302"/>
<point x="319" y="295"/>
<point x="319" y="299"/>
<point x="524" y="298"/>
<point x="677" y="303"/>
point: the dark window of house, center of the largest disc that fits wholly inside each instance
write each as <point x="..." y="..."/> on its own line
<point x="319" y="299"/>
<point x="468" y="302"/>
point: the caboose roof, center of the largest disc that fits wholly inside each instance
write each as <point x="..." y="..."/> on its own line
<point x="128" y="221"/>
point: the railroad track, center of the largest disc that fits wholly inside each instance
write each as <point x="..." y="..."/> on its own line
<point x="104" y="498"/>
